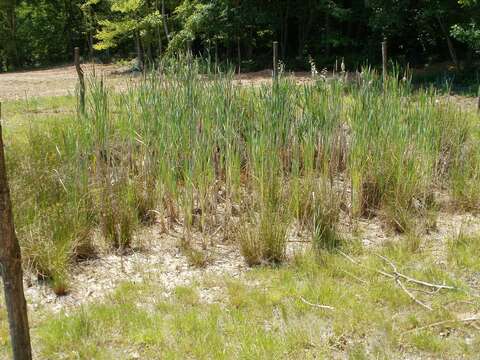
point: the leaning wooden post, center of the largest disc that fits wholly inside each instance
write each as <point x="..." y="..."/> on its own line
<point x="275" y="60"/>
<point x="384" y="59"/>
<point x="11" y="269"/>
<point x="81" y="80"/>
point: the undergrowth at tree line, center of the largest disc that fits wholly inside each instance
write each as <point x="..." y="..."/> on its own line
<point x="179" y="146"/>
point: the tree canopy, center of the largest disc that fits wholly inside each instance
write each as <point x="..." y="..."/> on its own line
<point x="43" y="32"/>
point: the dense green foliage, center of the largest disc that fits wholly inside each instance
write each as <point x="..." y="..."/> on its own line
<point x="42" y="32"/>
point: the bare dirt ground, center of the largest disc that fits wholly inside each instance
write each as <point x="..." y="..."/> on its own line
<point x="62" y="80"/>
<point x="55" y="81"/>
<point x="158" y="258"/>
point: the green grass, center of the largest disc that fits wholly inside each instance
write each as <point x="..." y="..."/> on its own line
<point x="464" y="252"/>
<point x="262" y="315"/>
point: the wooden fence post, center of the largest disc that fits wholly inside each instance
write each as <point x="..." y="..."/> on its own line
<point x="275" y="60"/>
<point x="216" y="57"/>
<point x="81" y="80"/>
<point x="478" y="100"/>
<point x="384" y="59"/>
<point x="189" y="47"/>
<point x="11" y="269"/>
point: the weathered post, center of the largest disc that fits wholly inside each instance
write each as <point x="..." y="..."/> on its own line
<point x="478" y="101"/>
<point x="239" y="56"/>
<point x="384" y="59"/>
<point x="81" y="80"/>
<point x="189" y="54"/>
<point x="11" y="269"/>
<point x="216" y="57"/>
<point x="189" y="47"/>
<point x="275" y="60"/>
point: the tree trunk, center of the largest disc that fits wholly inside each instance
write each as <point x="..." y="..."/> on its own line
<point x="327" y="34"/>
<point x="90" y="45"/>
<point x="68" y="26"/>
<point x="81" y="80"/>
<point x="285" y="31"/>
<point x="451" y="48"/>
<point x="11" y="45"/>
<point x="138" y="46"/>
<point x="164" y="20"/>
<point x="304" y="28"/>
<point x="249" y="45"/>
<point x="11" y="270"/>
<point x="159" y="37"/>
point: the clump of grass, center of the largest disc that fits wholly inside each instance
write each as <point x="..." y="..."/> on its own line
<point x="117" y="219"/>
<point x="196" y="257"/>
<point x="317" y="208"/>
<point x="464" y="250"/>
<point x="403" y="141"/>
<point x="465" y="174"/>
<point x="264" y="240"/>
<point x="325" y="234"/>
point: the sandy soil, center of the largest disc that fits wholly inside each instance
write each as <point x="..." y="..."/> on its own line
<point x="161" y="260"/>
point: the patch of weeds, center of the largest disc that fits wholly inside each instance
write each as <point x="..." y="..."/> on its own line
<point x="186" y="295"/>
<point x="464" y="251"/>
<point x="465" y="176"/>
<point x="428" y="342"/>
<point x="76" y="333"/>
<point x="117" y="216"/>
<point x="358" y="352"/>
<point x="5" y="349"/>
<point x="412" y="242"/>
<point x="325" y="235"/>
<point x="196" y="257"/>
<point x="264" y="240"/>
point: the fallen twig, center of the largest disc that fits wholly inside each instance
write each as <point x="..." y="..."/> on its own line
<point x="397" y="275"/>
<point x="399" y="282"/>
<point x="366" y="267"/>
<point x="433" y="292"/>
<point x="326" y="307"/>
<point x="410" y="279"/>
<point x="466" y="320"/>
<point x="354" y="276"/>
